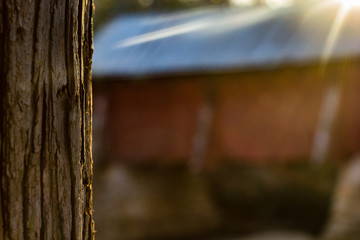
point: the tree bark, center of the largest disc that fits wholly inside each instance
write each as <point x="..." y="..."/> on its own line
<point x="45" y="119"/>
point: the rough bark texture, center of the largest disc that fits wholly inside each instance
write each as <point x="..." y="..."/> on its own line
<point x="45" y="119"/>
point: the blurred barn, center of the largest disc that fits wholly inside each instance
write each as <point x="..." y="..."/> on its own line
<point x="244" y="85"/>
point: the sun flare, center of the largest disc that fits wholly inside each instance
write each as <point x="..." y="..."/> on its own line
<point x="350" y="3"/>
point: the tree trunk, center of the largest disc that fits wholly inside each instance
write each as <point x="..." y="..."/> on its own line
<point x="45" y="119"/>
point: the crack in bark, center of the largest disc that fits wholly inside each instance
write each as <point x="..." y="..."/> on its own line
<point x="43" y="162"/>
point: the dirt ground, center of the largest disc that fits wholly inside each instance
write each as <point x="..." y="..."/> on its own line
<point x="172" y="203"/>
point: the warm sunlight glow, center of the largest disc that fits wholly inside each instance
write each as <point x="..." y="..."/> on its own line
<point x="350" y="3"/>
<point x="242" y="2"/>
<point x="269" y="3"/>
<point x="279" y="3"/>
<point x="334" y="34"/>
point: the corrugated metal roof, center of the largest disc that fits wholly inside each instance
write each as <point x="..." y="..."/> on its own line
<point x="218" y="39"/>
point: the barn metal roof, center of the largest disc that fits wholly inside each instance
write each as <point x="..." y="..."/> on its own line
<point x="218" y="39"/>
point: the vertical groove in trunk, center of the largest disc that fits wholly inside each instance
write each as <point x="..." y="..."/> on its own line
<point x="2" y="46"/>
<point x="46" y="120"/>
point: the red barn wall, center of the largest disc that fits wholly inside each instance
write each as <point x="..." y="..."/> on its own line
<point x="269" y="115"/>
<point x="346" y="133"/>
<point x="258" y="116"/>
<point x="153" y="120"/>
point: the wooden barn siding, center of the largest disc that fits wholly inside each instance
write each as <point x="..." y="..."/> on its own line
<point x="101" y="129"/>
<point x="269" y="115"/>
<point x="346" y="133"/>
<point x="258" y="116"/>
<point x="153" y="121"/>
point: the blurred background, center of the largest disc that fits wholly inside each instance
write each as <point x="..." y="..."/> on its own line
<point x="227" y="119"/>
